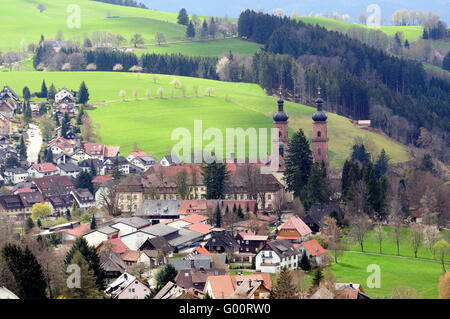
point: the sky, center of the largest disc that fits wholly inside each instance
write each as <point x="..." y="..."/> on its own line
<point x="232" y="8"/>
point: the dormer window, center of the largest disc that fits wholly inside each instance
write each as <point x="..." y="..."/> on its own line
<point x="318" y="134"/>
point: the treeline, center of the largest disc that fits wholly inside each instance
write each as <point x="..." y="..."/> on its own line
<point x="126" y="3"/>
<point x="353" y="75"/>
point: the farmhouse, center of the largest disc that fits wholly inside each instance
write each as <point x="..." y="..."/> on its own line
<point x="294" y="229"/>
<point x="129" y="192"/>
<point x="275" y="255"/>
<point x="41" y="170"/>
<point x="127" y="287"/>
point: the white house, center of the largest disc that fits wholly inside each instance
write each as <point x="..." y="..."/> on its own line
<point x="84" y="198"/>
<point x="98" y="236"/>
<point x="135" y="240"/>
<point x="59" y="97"/>
<point x="43" y="169"/>
<point x="277" y="254"/>
<point x="15" y="175"/>
<point x="129" y="225"/>
<point x="80" y="155"/>
<point x="127" y="287"/>
<point x="69" y="169"/>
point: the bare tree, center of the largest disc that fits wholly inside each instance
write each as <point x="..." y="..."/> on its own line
<point x="109" y="199"/>
<point x="181" y="180"/>
<point x="333" y="235"/>
<point x="359" y="228"/>
<point x="431" y="236"/>
<point x="279" y="203"/>
<point x="88" y="131"/>
<point x="397" y="223"/>
<point x="362" y="18"/>
<point x="303" y="283"/>
<point x="416" y="238"/>
<point x="380" y="235"/>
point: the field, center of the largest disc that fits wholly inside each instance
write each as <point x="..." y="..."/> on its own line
<point x="390" y="248"/>
<point x="395" y="272"/>
<point x="21" y="20"/>
<point x="410" y="33"/>
<point x="205" y="48"/>
<point x="150" y="122"/>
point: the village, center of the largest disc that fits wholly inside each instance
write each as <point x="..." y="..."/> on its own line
<point x="141" y="216"/>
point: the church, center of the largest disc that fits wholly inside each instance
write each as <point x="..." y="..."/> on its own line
<point x="319" y="136"/>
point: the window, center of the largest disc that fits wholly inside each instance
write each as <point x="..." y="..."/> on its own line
<point x="318" y="151"/>
<point x="318" y="134"/>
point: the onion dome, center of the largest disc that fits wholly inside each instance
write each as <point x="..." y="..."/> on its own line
<point x="319" y="116"/>
<point x="280" y="116"/>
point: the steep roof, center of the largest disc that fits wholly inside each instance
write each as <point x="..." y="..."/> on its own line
<point x="313" y="247"/>
<point x="45" y="167"/>
<point x="116" y="245"/>
<point x="283" y="248"/>
<point x="296" y="223"/>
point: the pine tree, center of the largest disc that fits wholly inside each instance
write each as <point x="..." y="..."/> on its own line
<point x="84" y="180"/>
<point x="381" y="165"/>
<point x="22" y="149"/>
<point x="83" y="94"/>
<point x="93" y="169"/>
<point x="255" y="209"/>
<point x="215" y="177"/>
<point x="298" y="165"/>
<point x="116" y="173"/>
<point x="93" y="222"/>
<point x="44" y="91"/>
<point x="26" y="271"/>
<point x="51" y="92"/>
<point x="80" y="116"/>
<point x="318" y="276"/>
<point x="305" y="264"/>
<point x="190" y="30"/>
<point x="183" y="18"/>
<point x="88" y="288"/>
<point x="239" y="212"/>
<point x="26" y="93"/>
<point x="91" y="257"/>
<point x="284" y="287"/>
<point x="446" y="62"/>
<point x="168" y="273"/>
<point x="204" y="30"/>
<point x="317" y="187"/>
<point x="218" y="216"/>
<point x="29" y="224"/>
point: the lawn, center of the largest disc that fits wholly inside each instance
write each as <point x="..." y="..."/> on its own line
<point x="394" y="271"/>
<point x="205" y="48"/>
<point x="150" y="121"/>
<point x="389" y="247"/>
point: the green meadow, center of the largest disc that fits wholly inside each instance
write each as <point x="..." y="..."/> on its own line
<point x="21" y="20"/>
<point x="422" y="275"/>
<point x="150" y="120"/>
<point x="410" y="33"/>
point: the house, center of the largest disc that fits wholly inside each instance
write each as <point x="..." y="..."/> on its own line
<point x="54" y="185"/>
<point x="114" y="245"/>
<point x="60" y="204"/>
<point x="98" y="236"/>
<point x="201" y="228"/>
<point x="43" y="169"/>
<point x="193" y="206"/>
<point x="222" y="242"/>
<point x="95" y="150"/>
<point x="71" y="234"/>
<point x="255" y="286"/>
<point x="158" y="210"/>
<point x="157" y="243"/>
<point x="12" y="205"/>
<point x="120" y="161"/>
<point x="5" y="125"/>
<point x="129" y="192"/>
<point x="65" y="97"/>
<point x="135" y="154"/>
<point x="249" y="242"/>
<point x="196" y="262"/>
<point x="313" y="250"/>
<point x="127" y="287"/>
<point x="131" y="257"/>
<point x="60" y="145"/>
<point x="15" y="175"/>
<point x="350" y="291"/>
<point x="143" y="162"/>
<point x="5" y="293"/>
<point x="129" y="225"/>
<point x="63" y="159"/>
<point x="313" y="218"/>
<point x="86" y="165"/>
<point x="112" y="151"/>
<point x="112" y="264"/>
<point x="277" y="254"/>
<point x="196" y="278"/>
<point x="169" y="160"/>
<point x="68" y="169"/>
<point x="29" y="199"/>
<point x="294" y="229"/>
<point x="80" y="155"/>
<point x="83" y="197"/>
<point x="173" y="291"/>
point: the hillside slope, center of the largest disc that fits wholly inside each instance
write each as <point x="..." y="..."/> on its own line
<point x="150" y="122"/>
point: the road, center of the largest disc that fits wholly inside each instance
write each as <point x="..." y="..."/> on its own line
<point x="34" y="143"/>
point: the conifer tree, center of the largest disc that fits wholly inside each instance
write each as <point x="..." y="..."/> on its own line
<point x="190" y="30"/>
<point x="22" y="149"/>
<point x="218" y="216"/>
<point x="305" y="264"/>
<point x="284" y="287"/>
<point x="51" y="92"/>
<point x="91" y="257"/>
<point x="44" y="91"/>
<point x="83" y="94"/>
<point x="93" y="222"/>
<point x="318" y="276"/>
<point x="239" y="212"/>
<point x="215" y="177"/>
<point x="183" y="17"/>
<point x="26" y="270"/>
<point x="26" y="93"/>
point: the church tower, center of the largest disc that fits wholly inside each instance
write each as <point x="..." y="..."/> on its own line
<point x="280" y="121"/>
<point x="320" y="138"/>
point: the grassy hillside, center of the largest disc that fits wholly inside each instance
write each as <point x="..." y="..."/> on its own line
<point x="410" y="33"/>
<point x="151" y="121"/>
<point x="21" y="20"/>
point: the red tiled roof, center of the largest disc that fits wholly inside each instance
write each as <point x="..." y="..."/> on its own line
<point x="202" y="250"/>
<point x="45" y="167"/>
<point x="188" y="206"/>
<point x="201" y="228"/>
<point x="102" y="179"/>
<point x="296" y="223"/>
<point x="94" y="149"/>
<point x="25" y="190"/>
<point x="313" y="247"/>
<point x="194" y="218"/>
<point x="79" y="230"/>
<point x="131" y="255"/>
<point x="116" y="244"/>
<point x="221" y="286"/>
<point x="111" y="151"/>
<point x="138" y="154"/>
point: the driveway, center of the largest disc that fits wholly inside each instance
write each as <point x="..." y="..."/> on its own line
<point x="34" y="143"/>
